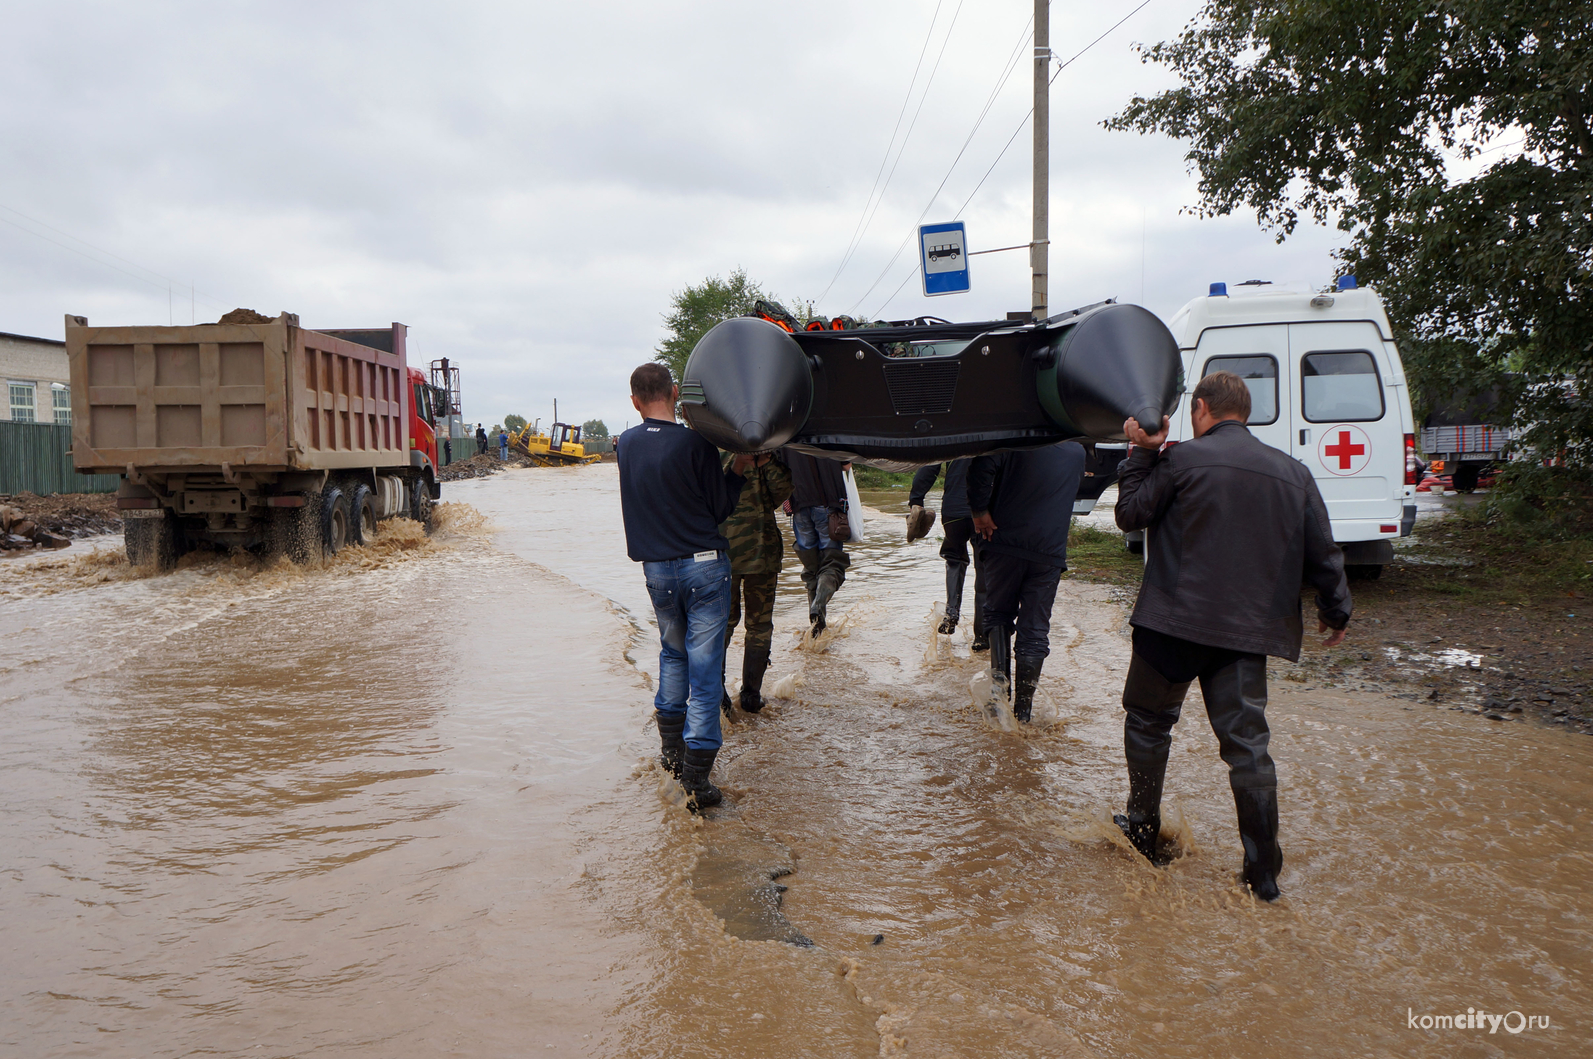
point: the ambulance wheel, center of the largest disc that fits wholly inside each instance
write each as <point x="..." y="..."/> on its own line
<point x="1363" y="571"/>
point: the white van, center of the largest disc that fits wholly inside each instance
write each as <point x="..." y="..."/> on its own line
<point x="1327" y="387"/>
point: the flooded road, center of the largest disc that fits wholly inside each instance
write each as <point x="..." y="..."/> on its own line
<point x="401" y="806"/>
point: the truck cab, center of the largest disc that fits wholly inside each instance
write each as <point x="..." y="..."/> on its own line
<point x="1327" y="386"/>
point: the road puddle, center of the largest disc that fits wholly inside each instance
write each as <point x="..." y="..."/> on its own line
<point x="404" y="805"/>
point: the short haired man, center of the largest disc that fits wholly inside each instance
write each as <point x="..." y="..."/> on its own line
<point x="957" y="521"/>
<point x="1022" y="504"/>
<point x="673" y="496"/>
<point x="1232" y="526"/>
<point x="503" y="445"/>
<point x="481" y="440"/>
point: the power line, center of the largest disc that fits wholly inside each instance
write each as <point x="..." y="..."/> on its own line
<point x="163" y="281"/>
<point x="857" y="232"/>
<point x="902" y="150"/>
<point x="1002" y="154"/>
<point x="1007" y="70"/>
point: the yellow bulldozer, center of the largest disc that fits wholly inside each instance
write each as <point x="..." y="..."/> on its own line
<point x="560" y="446"/>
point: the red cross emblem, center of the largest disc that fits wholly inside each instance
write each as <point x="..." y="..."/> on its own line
<point x="1345" y="450"/>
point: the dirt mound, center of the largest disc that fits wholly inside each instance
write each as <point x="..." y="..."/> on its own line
<point x="245" y="316"/>
<point x="29" y="520"/>
<point x="480" y="466"/>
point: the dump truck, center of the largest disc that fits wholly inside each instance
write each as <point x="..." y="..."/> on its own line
<point x="252" y="433"/>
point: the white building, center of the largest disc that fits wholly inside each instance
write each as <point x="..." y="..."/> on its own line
<point x="36" y="377"/>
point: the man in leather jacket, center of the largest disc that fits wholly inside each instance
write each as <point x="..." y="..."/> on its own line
<point x="1233" y="526"/>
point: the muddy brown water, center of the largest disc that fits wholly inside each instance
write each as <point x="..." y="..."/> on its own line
<point x="400" y="806"/>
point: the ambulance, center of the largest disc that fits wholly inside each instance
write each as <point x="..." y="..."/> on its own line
<point x="1327" y="387"/>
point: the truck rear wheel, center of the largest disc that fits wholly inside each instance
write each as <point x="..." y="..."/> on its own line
<point x="362" y="515"/>
<point x="152" y="541"/>
<point x="334" y="520"/>
<point x="1363" y="571"/>
<point x="1465" y="477"/>
<point x="296" y="531"/>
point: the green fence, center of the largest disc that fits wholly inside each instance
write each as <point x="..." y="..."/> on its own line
<point x="37" y="458"/>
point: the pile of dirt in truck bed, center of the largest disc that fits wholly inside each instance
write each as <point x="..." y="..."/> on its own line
<point x="28" y="520"/>
<point x="244" y="316"/>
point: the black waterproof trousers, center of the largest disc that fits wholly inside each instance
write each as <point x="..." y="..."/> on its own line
<point x="1235" y="689"/>
<point x="1018" y="598"/>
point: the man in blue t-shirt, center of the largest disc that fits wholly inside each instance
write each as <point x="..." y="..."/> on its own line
<point x="673" y="496"/>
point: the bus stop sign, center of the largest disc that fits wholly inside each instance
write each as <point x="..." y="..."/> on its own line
<point x="943" y="258"/>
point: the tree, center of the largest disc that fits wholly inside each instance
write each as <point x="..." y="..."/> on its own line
<point x="1361" y="114"/>
<point x="695" y="310"/>
<point x="595" y="429"/>
<point x="514" y="423"/>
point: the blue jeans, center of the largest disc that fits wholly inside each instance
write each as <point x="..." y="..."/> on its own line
<point x="692" y="602"/>
<point x="812" y="528"/>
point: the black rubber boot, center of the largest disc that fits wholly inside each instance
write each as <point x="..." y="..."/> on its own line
<point x="671" y="738"/>
<point x="1258" y="829"/>
<point x="831" y="576"/>
<point x="1001" y="664"/>
<point x="1028" y="678"/>
<point x="1152" y="704"/>
<point x="700" y="791"/>
<point x="752" y="671"/>
<point x="955" y="574"/>
<point x="810" y="569"/>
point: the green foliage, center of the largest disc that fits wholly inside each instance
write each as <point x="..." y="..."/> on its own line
<point x="514" y="422"/>
<point x="873" y="478"/>
<point x="695" y="310"/>
<point x="595" y="429"/>
<point x="1357" y="113"/>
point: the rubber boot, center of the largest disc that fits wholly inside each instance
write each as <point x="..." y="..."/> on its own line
<point x="1001" y="664"/>
<point x="752" y="671"/>
<point x="955" y="574"/>
<point x="1028" y="678"/>
<point x="981" y="640"/>
<point x="1152" y="704"/>
<point x="671" y="731"/>
<point x="700" y="791"/>
<point x="810" y="569"/>
<point x="832" y="575"/>
<point x="1258" y="829"/>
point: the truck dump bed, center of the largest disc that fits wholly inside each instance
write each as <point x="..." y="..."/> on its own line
<point x="262" y="396"/>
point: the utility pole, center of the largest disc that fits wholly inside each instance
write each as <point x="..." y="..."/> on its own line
<point x="1039" y="249"/>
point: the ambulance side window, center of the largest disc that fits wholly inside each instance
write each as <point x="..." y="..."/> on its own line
<point x="1340" y="387"/>
<point x="1260" y="373"/>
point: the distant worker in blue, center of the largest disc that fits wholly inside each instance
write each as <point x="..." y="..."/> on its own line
<point x="957" y="521"/>
<point x="673" y="496"/>
<point x="503" y="445"/>
<point x="1022" y="504"/>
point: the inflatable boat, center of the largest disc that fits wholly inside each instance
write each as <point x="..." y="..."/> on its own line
<point x="904" y="395"/>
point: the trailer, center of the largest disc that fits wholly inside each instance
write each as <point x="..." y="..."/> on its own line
<point x="252" y="432"/>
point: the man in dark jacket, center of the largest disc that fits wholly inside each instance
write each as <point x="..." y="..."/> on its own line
<point x="673" y="496"/>
<point x="1022" y="504"/>
<point x="957" y="522"/>
<point x="1232" y="526"/>
<point x="817" y="488"/>
<point x="481" y="440"/>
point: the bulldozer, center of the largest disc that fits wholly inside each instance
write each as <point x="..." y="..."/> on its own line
<point x="560" y="446"/>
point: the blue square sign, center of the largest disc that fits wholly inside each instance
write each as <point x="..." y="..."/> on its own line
<point x="943" y="258"/>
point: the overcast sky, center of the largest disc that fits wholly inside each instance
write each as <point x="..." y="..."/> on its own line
<point x="526" y="184"/>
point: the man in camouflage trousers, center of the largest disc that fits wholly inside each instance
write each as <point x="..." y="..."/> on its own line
<point x="756" y="551"/>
